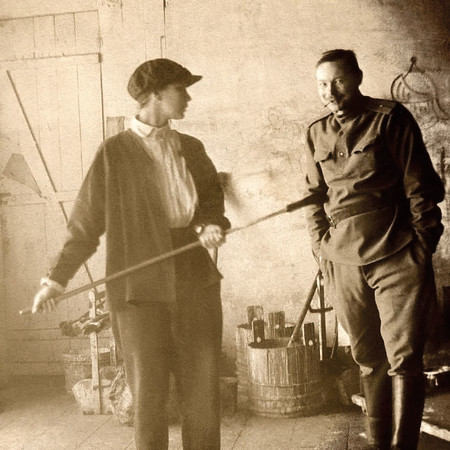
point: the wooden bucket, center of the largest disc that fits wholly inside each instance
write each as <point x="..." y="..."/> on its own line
<point x="244" y="336"/>
<point x="284" y="381"/>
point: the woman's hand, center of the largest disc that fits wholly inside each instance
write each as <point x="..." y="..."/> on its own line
<point x="44" y="300"/>
<point x="212" y="236"/>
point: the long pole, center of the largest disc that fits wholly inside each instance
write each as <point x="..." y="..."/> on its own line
<point x="304" y="310"/>
<point x="41" y="156"/>
<point x="289" y="208"/>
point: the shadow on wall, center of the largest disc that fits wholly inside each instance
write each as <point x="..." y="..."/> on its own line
<point x="418" y="92"/>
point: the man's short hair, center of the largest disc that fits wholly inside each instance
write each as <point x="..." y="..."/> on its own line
<point x="347" y="56"/>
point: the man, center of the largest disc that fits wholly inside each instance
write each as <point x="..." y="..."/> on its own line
<point x="152" y="189"/>
<point x="374" y="226"/>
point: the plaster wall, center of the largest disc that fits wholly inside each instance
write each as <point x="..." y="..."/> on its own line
<point x="256" y="98"/>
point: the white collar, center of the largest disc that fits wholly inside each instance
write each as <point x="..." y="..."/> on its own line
<point x="148" y="131"/>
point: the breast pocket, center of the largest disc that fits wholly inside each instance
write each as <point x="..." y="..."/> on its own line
<point x="365" y="157"/>
<point x="367" y="144"/>
<point x="322" y="154"/>
<point x="325" y="158"/>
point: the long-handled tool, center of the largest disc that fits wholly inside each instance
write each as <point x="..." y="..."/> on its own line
<point x="288" y="208"/>
<point x="304" y="310"/>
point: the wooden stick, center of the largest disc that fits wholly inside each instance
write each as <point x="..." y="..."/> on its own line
<point x="289" y="208"/>
<point x="120" y="274"/>
<point x="304" y="310"/>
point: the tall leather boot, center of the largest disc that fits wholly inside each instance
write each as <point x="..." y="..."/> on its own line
<point x="377" y="388"/>
<point x="408" y="402"/>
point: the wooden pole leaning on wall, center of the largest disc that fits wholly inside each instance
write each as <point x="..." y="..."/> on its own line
<point x="96" y="382"/>
<point x="305" y="309"/>
<point x="288" y="208"/>
<point x="50" y="192"/>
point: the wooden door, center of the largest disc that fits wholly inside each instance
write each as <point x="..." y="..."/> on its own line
<point x="51" y="123"/>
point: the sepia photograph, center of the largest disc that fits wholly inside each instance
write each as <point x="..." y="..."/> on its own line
<point x="224" y="225"/>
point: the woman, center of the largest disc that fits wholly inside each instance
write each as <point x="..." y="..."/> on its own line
<point x="151" y="189"/>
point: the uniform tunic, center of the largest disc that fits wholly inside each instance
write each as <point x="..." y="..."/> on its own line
<point x="375" y="223"/>
<point x="372" y="176"/>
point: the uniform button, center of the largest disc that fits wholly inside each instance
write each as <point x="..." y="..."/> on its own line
<point x="341" y="154"/>
<point x="341" y="133"/>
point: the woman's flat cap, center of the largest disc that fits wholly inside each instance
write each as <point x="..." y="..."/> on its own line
<point x="157" y="74"/>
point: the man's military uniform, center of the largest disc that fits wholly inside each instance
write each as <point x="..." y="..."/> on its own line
<point x="374" y="226"/>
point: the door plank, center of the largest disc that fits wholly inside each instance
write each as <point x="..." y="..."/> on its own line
<point x="65" y="34"/>
<point x="86" y="32"/>
<point x="44" y="36"/>
<point x="91" y="114"/>
<point x="48" y="115"/>
<point x="69" y="127"/>
<point x="24" y="126"/>
<point x="10" y="46"/>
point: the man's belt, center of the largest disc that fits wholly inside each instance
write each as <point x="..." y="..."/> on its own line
<point x="353" y="210"/>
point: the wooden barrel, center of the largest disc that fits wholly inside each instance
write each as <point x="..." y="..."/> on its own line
<point x="244" y="337"/>
<point x="284" y="381"/>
